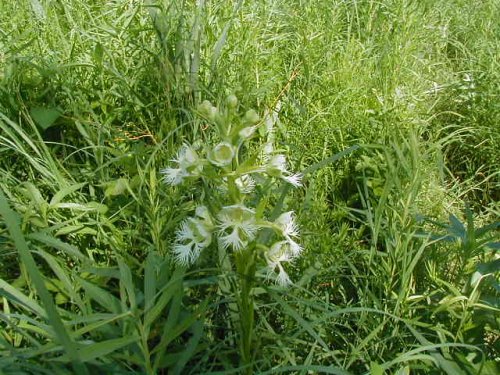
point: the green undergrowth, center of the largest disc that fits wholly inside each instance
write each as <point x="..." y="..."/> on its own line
<point x="399" y="272"/>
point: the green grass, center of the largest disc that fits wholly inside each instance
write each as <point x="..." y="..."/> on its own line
<point x="96" y="97"/>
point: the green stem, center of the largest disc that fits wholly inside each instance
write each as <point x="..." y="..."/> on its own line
<point x="245" y="263"/>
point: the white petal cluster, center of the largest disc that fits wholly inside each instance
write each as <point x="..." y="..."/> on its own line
<point x="188" y="163"/>
<point x="277" y="254"/>
<point x="245" y="184"/>
<point x="276" y="167"/>
<point x="286" y="250"/>
<point x="237" y="226"/>
<point x="289" y="230"/>
<point x="194" y="234"/>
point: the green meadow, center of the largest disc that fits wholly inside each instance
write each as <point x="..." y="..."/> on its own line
<point x="250" y="187"/>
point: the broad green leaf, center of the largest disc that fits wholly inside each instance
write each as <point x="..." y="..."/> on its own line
<point x="75" y="206"/>
<point x="103" y="348"/>
<point x="456" y="227"/>
<point x="77" y="229"/>
<point x="376" y="369"/>
<point x="102" y="320"/>
<point x="33" y="194"/>
<point x="63" y="193"/>
<point x="98" y="207"/>
<point x="117" y="187"/>
<point x="45" y="117"/>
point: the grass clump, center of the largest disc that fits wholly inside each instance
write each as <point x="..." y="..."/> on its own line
<point x="387" y="110"/>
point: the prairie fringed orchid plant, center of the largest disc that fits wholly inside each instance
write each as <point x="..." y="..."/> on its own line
<point x="237" y="169"/>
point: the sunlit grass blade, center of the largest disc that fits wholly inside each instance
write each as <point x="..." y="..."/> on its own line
<point x="12" y="222"/>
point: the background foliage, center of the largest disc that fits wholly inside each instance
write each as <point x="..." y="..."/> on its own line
<point x="400" y="271"/>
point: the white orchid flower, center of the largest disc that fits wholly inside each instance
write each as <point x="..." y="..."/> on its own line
<point x="245" y="184"/>
<point x="276" y="167"/>
<point x="222" y="154"/>
<point x="188" y="164"/>
<point x="237" y="226"/>
<point x="191" y="238"/>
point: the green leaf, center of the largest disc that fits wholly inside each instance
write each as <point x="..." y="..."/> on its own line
<point x="62" y="336"/>
<point x="376" y="369"/>
<point x="78" y="229"/>
<point x="14" y="295"/>
<point x="456" y="227"/>
<point x="331" y="159"/>
<point x="62" y="275"/>
<point x="314" y="369"/>
<point x="93" y="322"/>
<point x="63" y="193"/>
<point x="165" y="295"/>
<point x="150" y="280"/>
<point x="101" y="349"/>
<point x="70" y="250"/>
<point x="116" y="187"/>
<point x="102" y="297"/>
<point x="127" y="282"/>
<point x="403" y="371"/>
<point x="171" y="334"/>
<point x="45" y="117"/>
<point x="190" y="348"/>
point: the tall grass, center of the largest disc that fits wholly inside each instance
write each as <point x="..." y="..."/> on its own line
<point x="396" y="277"/>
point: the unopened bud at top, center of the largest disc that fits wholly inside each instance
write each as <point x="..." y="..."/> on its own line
<point x="252" y="117"/>
<point x="232" y="101"/>
<point x="207" y="110"/>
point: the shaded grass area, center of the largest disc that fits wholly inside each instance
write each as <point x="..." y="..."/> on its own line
<point x="96" y="97"/>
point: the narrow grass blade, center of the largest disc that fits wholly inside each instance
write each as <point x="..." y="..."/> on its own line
<point x="102" y="297"/>
<point x="12" y="222"/>
<point x="15" y="295"/>
<point x="127" y="282"/>
<point x="171" y="334"/>
<point x="310" y="368"/>
<point x="190" y="348"/>
<point x="313" y="168"/>
<point x="101" y="349"/>
<point x="70" y="250"/>
<point x="222" y="39"/>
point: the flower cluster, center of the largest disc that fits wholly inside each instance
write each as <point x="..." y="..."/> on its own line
<point x="234" y="173"/>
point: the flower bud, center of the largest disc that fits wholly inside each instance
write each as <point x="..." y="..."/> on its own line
<point x="232" y="101"/>
<point x="247" y="132"/>
<point x="252" y="117"/>
<point x="205" y="108"/>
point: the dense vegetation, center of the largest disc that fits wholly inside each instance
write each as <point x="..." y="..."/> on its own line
<point x="390" y="109"/>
